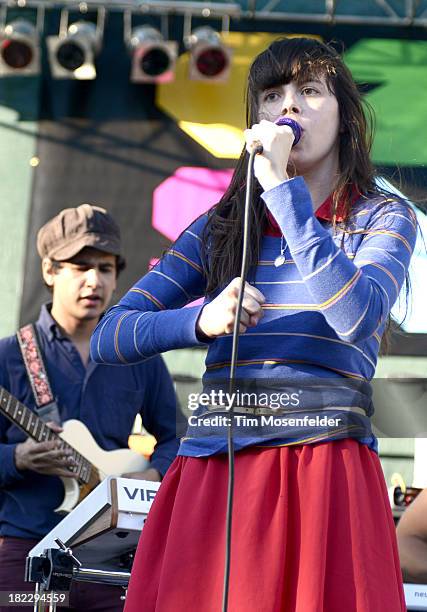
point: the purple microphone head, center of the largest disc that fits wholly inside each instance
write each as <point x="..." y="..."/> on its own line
<point x="295" y="127"/>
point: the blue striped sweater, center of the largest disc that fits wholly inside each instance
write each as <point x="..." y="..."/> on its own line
<point x="325" y="312"/>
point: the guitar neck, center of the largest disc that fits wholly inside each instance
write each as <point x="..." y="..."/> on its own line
<point x="35" y="427"/>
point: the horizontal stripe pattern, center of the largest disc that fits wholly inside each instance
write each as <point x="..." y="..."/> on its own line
<point x="303" y="337"/>
<point x="273" y="362"/>
<point x="326" y="435"/>
<point x="181" y="256"/>
<point x="325" y="308"/>
<point x="149" y="296"/>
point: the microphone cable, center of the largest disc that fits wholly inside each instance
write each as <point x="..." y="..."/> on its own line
<point x="257" y="149"/>
<point x="230" y="442"/>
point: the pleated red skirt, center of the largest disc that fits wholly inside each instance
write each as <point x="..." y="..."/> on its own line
<point x="312" y="532"/>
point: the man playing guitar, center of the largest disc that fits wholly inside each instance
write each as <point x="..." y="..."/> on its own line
<point x="81" y="258"/>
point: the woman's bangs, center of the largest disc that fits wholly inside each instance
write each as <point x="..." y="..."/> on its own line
<point x="271" y="70"/>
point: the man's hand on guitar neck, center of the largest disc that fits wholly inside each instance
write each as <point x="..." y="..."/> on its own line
<point x="44" y="457"/>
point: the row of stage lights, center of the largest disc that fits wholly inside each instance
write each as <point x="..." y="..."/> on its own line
<point x="73" y="52"/>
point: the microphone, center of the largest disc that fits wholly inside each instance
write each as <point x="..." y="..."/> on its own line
<point x="295" y="127"/>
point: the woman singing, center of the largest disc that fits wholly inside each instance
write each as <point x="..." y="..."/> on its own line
<point x="312" y="528"/>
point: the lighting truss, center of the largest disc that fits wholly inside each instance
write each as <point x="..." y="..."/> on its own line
<point x="368" y="13"/>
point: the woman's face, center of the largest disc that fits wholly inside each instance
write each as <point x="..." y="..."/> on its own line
<point x="316" y="110"/>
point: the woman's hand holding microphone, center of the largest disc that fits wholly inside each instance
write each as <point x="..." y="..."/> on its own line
<point x="270" y="166"/>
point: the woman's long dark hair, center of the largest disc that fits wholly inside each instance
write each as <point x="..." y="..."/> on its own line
<point x="285" y="60"/>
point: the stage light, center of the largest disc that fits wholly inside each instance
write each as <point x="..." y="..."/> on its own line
<point x="72" y="55"/>
<point x="210" y="59"/>
<point x="153" y="58"/>
<point x="19" y="48"/>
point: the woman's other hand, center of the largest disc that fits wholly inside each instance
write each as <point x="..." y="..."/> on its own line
<point x="217" y="317"/>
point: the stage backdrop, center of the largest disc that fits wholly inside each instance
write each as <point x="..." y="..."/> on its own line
<point x="157" y="156"/>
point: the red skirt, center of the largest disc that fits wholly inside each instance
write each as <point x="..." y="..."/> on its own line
<point x="312" y="532"/>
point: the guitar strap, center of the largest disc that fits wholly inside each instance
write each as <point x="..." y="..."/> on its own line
<point x="47" y="407"/>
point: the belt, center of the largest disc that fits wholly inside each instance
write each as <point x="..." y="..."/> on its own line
<point x="267" y="411"/>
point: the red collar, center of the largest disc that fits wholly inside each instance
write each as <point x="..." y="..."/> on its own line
<point x="323" y="212"/>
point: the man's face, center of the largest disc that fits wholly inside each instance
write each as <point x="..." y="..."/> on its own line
<point x="83" y="286"/>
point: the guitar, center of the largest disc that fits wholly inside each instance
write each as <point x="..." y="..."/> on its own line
<point x="90" y="468"/>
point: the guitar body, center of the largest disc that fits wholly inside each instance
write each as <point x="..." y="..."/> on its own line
<point x="107" y="463"/>
<point x="93" y="463"/>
